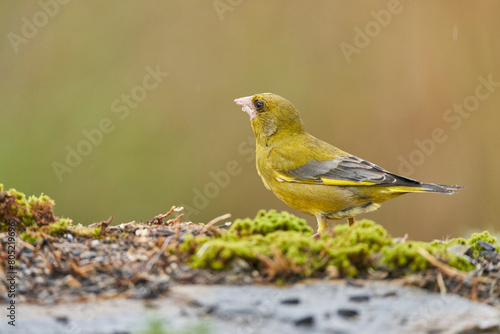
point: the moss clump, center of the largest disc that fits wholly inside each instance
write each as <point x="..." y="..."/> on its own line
<point x="59" y="228"/>
<point x="352" y="247"/>
<point x="15" y="208"/>
<point x="31" y="236"/>
<point x="281" y="245"/>
<point x="269" y="221"/>
<point x="404" y="257"/>
<point x="219" y="254"/>
<point x="34" y="217"/>
<point x="41" y="209"/>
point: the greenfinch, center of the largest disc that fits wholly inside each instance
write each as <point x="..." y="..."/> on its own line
<point x="315" y="177"/>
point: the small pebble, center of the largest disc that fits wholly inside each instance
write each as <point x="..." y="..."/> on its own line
<point x="69" y="237"/>
<point x="94" y="243"/>
<point x="39" y="280"/>
<point x="486" y="245"/>
<point x="75" y="252"/>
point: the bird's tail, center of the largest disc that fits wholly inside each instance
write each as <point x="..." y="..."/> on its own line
<point x="427" y="188"/>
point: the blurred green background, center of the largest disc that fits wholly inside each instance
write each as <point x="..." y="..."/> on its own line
<point x="70" y="67"/>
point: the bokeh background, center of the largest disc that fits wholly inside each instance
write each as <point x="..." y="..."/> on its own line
<point x="68" y="66"/>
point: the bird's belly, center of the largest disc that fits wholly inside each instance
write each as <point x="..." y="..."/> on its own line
<point x="334" y="202"/>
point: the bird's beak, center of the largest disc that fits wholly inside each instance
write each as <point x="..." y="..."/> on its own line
<point x="247" y="106"/>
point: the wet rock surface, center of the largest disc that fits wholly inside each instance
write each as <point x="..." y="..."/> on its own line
<point x="312" y="307"/>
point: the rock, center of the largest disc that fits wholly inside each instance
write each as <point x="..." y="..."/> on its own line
<point x="69" y="237"/>
<point x="486" y="245"/>
<point x="324" y="307"/>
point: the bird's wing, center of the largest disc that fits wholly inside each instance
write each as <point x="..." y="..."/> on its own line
<point x="344" y="171"/>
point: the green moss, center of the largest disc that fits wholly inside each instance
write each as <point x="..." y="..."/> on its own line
<point x="85" y="231"/>
<point x="218" y="254"/>
<point x="14" y="207"/>
<point x="59" y="228"/>
<point x="34" y="217"/>
<point x="269" y="221"/>
<point x="404" y="257"/>
<point x="353" y="247"/>
<point x="30" y="236"/>
<point x="279" y="244"/>
<point x="253" y="240"/>
<point x="483" y="236"/>
<point x="25" y="212"/>
<point x="284" y="242"/>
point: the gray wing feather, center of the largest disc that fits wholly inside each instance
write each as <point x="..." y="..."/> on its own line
<point x="350" y="168"/>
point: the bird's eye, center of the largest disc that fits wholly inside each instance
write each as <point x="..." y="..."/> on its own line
<point x="259" y="105"/>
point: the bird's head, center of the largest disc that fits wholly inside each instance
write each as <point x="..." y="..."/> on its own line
<point x="271" y="115"/>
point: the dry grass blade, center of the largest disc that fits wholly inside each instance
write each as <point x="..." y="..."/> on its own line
<point x="450" y="271"/>
<point x="440" y="283"/>
<point x="213" y="222"/>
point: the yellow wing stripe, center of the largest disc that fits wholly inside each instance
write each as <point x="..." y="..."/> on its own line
<point x="402" y="189"/>
<point x="334" y="182"/>
<point x="325" y="181"/>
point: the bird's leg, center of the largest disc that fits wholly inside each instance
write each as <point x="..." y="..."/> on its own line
<point x="322" y="223"/>
<point x="351" y="221"/>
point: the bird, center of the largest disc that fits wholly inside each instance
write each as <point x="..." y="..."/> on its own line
<point x="314" y="177"/>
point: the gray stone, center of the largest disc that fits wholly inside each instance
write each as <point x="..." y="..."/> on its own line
<point x="259" y="310"/>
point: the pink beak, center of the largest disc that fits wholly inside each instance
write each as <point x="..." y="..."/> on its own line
<point x="247" y="106"/>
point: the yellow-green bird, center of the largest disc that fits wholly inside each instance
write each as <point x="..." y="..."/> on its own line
<point x="315" y="177"/>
